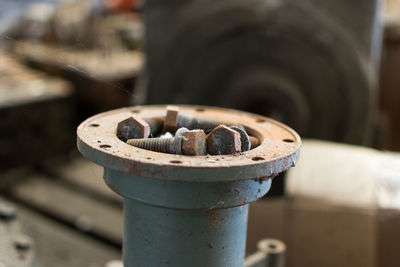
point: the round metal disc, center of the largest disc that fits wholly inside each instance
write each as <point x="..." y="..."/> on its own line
<point x="278" y="150"/>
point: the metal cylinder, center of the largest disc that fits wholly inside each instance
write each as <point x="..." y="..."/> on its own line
<point x="275" y="251"/>
<point x="157" y="236"/>
<point x="187" y="210"/>
<point x="173" y="223"/>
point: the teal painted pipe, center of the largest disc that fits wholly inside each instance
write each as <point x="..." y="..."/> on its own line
<point x="174" y="223"/>
<point x="156" y="236"/>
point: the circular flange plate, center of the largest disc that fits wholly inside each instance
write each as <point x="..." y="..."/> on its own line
<point x="278" y="150"/>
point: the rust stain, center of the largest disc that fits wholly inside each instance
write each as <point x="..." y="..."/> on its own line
<point x="213" y="220"/>
<point x="260" y="180"/>
<point x="276" y="153"/>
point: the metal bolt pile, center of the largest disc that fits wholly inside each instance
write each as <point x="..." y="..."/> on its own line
<point x="185" y="135"/>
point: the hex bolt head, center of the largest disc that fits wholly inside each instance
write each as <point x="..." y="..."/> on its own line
<point x="244" y="137"/>
<point x="171" y="119"/>
<point x="223" y="140"/>
<point x="7" y="212"/>
<point x="174" y="120"/>
<point x="133" y="127"/>
<point x="194" y="143"/>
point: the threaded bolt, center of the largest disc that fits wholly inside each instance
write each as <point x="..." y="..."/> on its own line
<point x="254" y="141"/>
<point x="171" y="145"/>
<point x="185" y="142"/>
<point x="174" y="120"/>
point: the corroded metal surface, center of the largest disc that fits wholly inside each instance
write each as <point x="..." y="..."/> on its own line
<point x="278" y="149"/>
<point x="223" y="141"/>
<point x="187" y="210"/>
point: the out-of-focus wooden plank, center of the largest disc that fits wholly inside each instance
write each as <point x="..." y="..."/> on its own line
<point x="101" y="218"/>
<point x="36" y="114"/>
<point x="88" y="175"/>
<point x="59" y="246"/>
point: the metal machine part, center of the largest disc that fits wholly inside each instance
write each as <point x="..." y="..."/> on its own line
<point x="187" y="210"/>
<point x="16" y="248"/>
<point x="296" y="61"/>
<point x="271" y="253"/>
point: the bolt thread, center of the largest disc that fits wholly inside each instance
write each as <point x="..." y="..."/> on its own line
<point x="193" y="123"/>
<point x="164" y="145"/>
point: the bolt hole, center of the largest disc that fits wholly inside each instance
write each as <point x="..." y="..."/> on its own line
<point x="148" y="158"/>
<point x="175" y="161"/>
<point x="200" y="109"/>
<point x="94" y="125"/>
<point x="98" y="141"/>
<point x="135" y="111"/>
<point x="272" y="246"/>
<point x="105" y="146"/>
<point x="257" y="158"/>
<point x="288" y="140"/>
<point x="260" y="120"/>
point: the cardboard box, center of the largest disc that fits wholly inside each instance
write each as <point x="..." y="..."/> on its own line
<point x="341" y="209"/>
<point x="318" y="234"/>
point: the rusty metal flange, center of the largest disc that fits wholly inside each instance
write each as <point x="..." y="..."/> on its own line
<point x="278" y="149"/>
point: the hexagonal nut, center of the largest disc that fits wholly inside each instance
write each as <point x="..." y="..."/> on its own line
<point x="131" y="128"/>
<point x="244" y="137"/>
<point x="194" y="143"/>
<point x="171" y="119"/>
<point x="223" y="140"/>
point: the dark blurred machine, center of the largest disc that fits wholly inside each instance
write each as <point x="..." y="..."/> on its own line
<point x="311" y="64"/>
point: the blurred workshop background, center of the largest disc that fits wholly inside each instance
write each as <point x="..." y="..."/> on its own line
<point x="327" y="68"/>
